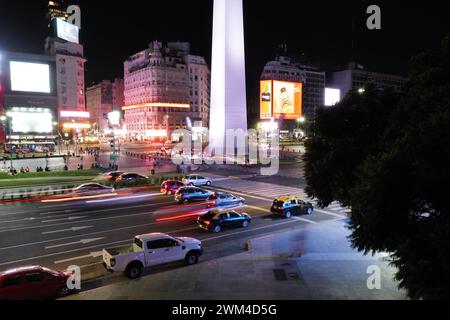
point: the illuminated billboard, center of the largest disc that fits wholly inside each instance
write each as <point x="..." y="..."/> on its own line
<point x="30" y="77"/>
<point x="281" y="100"/>
<point x="266" y="99"/>
<point x="67" y="31"/>
<point x="31" y="121"/>
<point x="332" y="97"/>
<point x="75" y="114"/>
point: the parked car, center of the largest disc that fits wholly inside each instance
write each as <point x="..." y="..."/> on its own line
<point x="221" y="199"/>
<point x="93" y="189"/>
<point x="196" y="180"/>
<point x="151" y="250"/>
<point x="216" y="221"/>
<point x="112" y="176"/>
<point x="33" y="283"/>
<point x="170" y="187"/>
<point x="132" y="178"/>
<point x="289" y="206"/>
<point x="186" y="195"/>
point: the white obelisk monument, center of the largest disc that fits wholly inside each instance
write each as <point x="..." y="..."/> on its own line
<point x="228" y="88"/>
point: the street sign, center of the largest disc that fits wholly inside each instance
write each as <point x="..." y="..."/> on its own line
<point x="114" y="157"/>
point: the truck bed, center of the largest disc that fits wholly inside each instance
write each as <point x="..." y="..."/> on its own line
<point x="120" y="250"/>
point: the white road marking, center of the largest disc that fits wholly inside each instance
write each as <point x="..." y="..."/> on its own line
<point x="248" y="230"/>
<point x="303" y="219"/>
<point x="125" y="198"/>
<point x="331" y="214"/>
<point x="90" y="255"/>
<point x="242" y="194"/>
<point x="64" y="219"/>
<point x="54" y="212"/>
<point x="261" y="198"/>
<point x="82" y="241"/>
<point x="74" y="229"/>
<point x="92" y="220"/>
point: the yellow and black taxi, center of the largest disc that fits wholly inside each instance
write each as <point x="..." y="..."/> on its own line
<point x="216" y="220"/>
<point x="289" y="206"/>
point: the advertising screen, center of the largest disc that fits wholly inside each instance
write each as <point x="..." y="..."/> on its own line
<point x="332" y="97"/>
<point x="67" y="31"/>
<point x="287" y="100"/>
<point x="32" y="122"/>
<point x="266" y="99"/>
<point x="30" y="77"/>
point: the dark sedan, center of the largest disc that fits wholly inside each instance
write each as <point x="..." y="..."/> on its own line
<point x="216" y="221"/>
<point x="132" y="178"/>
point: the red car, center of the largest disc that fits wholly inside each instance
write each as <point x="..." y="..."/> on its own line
<point x="171" y="187"/>
<point x="33" y="283"/>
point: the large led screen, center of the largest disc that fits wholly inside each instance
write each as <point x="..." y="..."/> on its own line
<point x="30" y="77"/>
<point x="67" y="31"/>
<point x="287" y="100"/>
<point x="32" y="122"/>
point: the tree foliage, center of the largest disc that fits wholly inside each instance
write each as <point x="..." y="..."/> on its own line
<point x="394" y="171"/>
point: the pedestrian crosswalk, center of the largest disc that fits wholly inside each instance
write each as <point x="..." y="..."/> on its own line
<point x="269" y="191"/>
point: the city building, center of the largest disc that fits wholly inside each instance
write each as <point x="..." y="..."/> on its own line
<point x="28" y="101"/>
<point x="64" y="45"/>
<point x="42" y="97"/>
<point x="353" y="76"/>
<point x="287" y="80"/>
<point x="165" y="88"/>
<point x="102" y="99"/>
<point x="56" y="9"/>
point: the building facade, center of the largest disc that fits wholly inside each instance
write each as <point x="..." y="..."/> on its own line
<point x="28" y="101"/>
<point x="355" y="77"/>
<point x="165" y="88"/>
<point x="285" y="68"/>
<point x="101" y="99"/>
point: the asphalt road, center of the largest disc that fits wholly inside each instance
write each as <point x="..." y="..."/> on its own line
<point x="60" y="234"/>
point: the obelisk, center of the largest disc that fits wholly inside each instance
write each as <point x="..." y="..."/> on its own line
<point x="228" y="88"/>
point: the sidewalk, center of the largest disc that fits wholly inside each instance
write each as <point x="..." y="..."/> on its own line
<point x="315" y="263"/>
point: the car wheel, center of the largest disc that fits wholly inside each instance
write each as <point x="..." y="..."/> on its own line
<point x="217" y="229"/>
<point x="208" y="183"/>
<point x="288" y="215"/>
<point x="245" y="224"/>
<point x="186" y="201"/>
<point x="310" y="211"/>
<point x="134" y="271"/>
<point x="191" y="258"/>
<point x="62" y="292"/>
<point x="191" y="184"/>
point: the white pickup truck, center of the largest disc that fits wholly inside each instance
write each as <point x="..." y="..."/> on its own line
<point x="151" y="250"/>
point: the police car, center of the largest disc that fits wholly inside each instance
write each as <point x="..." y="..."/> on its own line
<point x="289" y="206"/>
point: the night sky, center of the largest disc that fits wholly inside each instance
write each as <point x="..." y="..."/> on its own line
<point x="111" y="31"/>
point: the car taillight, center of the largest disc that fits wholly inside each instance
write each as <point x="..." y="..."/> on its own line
<point x="112" y="262"/>
<point x="207" y="223"/>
